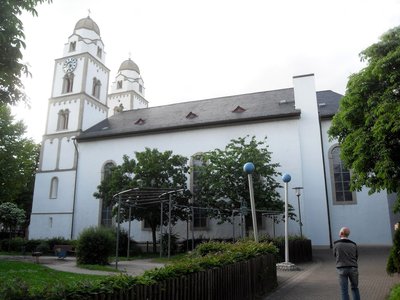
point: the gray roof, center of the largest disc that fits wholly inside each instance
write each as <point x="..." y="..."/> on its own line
<point x="87" y="23"/>
<point x="224" y="111"/>
<point x="129" y="65"/>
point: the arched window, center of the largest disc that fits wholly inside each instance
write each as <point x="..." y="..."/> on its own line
<point x="54" y="188"/>
<point x="68" y="83"/>
<point x="72" y="46"/>
<point x="96" y="88"/>
<point x="106" y="209"/>
<point x="340" y="177"/>
<point x="63" y="117"/>
<point x="200" y="219"/>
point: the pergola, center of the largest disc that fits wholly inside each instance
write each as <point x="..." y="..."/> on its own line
<point x="144" y="197"/>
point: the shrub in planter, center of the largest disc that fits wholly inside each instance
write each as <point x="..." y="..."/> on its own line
<point x="95" y="245"/>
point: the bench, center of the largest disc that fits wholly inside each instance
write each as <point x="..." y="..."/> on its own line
<point x="61" y="251"/>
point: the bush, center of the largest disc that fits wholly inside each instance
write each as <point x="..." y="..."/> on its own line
<point x="395" y="293"/>
<point x="174" y="243"/>
<point x="12" y="245"/>
<point x="95" y="245"/>
<point x="393" y="263"/>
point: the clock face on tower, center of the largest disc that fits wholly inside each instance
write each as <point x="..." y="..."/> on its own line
<point x="69" y="64"/>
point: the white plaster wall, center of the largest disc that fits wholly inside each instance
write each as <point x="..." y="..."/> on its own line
<point x="96" y="70"/>
<point x="92" y="114"/>
<point x="50" y="153"/>
<point x="282" y="138"/>
<point x="116" y="100"/>
<point x="50" y="225"/>
<point x="89" y="44"/>
<point x="368" y="220"/>
<point x="67" y="153"/>
<point x="41" y="198"/>
<point x="59" y="75"/>
<point x="138" y="102"/>
<point x="314" y="206"/>
<point x="52" y="118"/>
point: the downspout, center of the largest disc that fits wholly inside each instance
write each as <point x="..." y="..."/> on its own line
<point x="75" y="184"/>
<point x="326" y="186"/>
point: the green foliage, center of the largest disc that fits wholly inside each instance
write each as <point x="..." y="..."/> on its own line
<point x="221" y="182"/>
<point x="16" y="244"/>
<point x="150" y="169"/>
<point x="174" y="247"/>
<point x="393" y="262"/>
<point x="395" y="293"/>
<point x="11" y="216"/>
<point x="95" y="245"/>
<point x="12" y="41"/>
<point x="18" y="161"/>
<point x="367" y="125"/>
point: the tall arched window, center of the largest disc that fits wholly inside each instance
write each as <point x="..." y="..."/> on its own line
<point x="106" y="208"/>
<point x="199" y="215"/>
<point x="340" y="177"/>
<point x="68" y="83"/>
<point x="96" y="88"/>
<point x="54" y="188"/>
<point x="63" y="118"/>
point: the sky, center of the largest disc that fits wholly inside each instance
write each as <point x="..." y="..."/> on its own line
<point x="191" y="50"/>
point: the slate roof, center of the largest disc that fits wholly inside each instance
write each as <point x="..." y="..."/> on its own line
<point x="223" y="111"/>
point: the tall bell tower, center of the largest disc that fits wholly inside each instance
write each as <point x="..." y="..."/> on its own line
<point x="78" y="101"/>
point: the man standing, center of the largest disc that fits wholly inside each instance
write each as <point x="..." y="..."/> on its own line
<point x="346" y="254"/>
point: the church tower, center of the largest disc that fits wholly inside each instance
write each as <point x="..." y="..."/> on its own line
<point x="78" y="101"/>
<point x="127" y="91"/>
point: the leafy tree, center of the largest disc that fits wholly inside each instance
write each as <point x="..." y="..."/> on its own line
<point x="367" y="125"/>
<point x="18" y="161"/>
<point x="151" y="169"/>
<point x="222" y="185"/>
<point x="11" y="216"/>
<point x="11" y="41"/>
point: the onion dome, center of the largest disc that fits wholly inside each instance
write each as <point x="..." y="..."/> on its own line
<point x="87" y="23"/>
<point x="129" y="65"/>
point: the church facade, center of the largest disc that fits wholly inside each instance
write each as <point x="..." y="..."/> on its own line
<point x="92" y="123"/>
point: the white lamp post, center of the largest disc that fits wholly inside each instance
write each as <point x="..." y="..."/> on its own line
<point x="249" y="169"/>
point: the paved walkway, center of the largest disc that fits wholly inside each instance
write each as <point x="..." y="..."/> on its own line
<point x="315" y="280"/>
<point x="318" y="280"/>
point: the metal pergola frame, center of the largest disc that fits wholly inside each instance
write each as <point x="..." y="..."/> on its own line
<point x="144" y="197"/>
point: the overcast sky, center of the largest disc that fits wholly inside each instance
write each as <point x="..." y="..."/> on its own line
<point x="191" y="50"/>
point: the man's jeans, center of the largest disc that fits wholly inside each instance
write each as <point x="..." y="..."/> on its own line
<point x="346" y="274"/>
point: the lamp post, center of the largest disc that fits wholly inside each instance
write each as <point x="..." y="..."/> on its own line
<point x="249" y="169"/>
<point x="286" y="266"/>
<point x="297" y="190"/>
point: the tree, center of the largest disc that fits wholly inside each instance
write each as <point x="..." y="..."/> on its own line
<point x="18" y="161"/>
<point x="11" y="41"/>
<point x="367" y="124"/>
<point x="222" y="186"/>
<point x="151" y="169"/>
<point x="11" y="216"/>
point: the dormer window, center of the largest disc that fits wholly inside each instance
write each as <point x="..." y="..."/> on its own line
<point x="72" y="46"/>
<point x="119" y="84"/>
<point x="140" y="122"/>
<point x="99" y="52"/>
<point x="239" y="109"/>
<point x="191" y="115"/>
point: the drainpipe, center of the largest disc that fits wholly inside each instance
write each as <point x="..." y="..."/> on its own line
<point x="326" y="186"/>
<point x="75" y="184"/>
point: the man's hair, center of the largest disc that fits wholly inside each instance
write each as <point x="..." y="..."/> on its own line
<point x="344" y="231"/>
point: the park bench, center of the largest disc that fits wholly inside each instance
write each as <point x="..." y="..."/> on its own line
<point x="61" y="251"/>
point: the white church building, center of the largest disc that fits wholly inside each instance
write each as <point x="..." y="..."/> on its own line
<point x="92" y="123"/>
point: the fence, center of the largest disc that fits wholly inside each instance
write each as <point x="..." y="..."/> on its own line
<point x="240" y="281"/>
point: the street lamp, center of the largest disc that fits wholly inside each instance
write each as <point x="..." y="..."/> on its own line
<point x="297" y="190"/>
<point x="249" y="169"/>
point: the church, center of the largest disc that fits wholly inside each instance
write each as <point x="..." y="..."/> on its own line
<point x="92" y="123"/>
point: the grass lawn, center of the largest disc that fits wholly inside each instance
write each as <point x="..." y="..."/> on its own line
<point x="38" y="276"/>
